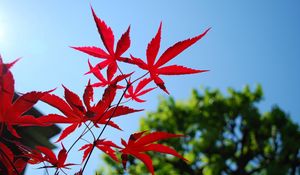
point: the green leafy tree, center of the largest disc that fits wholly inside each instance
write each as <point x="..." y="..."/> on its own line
<point x="224" y="135"/>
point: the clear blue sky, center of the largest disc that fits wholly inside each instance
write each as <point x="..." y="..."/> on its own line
<point x="250" y="42"/>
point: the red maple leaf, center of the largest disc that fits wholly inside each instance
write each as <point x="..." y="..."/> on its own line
<point x="156" y="68"/>
<point x="106" y="82"/>
<point x="5" y="67"/>
<point x="139" y="143"/>
<point x="44" y="154"/>
<point x="11" y="113"/>
<point x="103" y="145"/>
<point x="110" y="56"/>
<point x="77" y="112"/>
<point x="134" y="94"/>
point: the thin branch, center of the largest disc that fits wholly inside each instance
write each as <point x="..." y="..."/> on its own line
<point x="139" y="78"/>
<point x="122" y="73"/>
<point x="94" y="144"/>
<point x="89" y="129"/>
<point x="82" y="134"/>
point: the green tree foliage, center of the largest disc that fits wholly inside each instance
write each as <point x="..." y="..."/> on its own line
<point x="224" y="135"/>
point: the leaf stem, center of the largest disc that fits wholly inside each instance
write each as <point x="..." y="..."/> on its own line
<point x="89" y="129"/>
<point x="139" y="78"/>
<point x="82" y="134"/>
<point x="56" y="171"/>
<point x="125" y="90"/>
<point x="122" y="74"/>
<point x="85" y="131"/>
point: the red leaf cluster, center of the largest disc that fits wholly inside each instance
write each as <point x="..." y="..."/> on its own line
<point x="95" y="114"/>
<point x="139" y="143"/>
<point x="44" y="154"/>
<point x="11" y="112"/>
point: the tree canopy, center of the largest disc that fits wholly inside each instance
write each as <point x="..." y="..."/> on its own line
<point x="225" y="134"/>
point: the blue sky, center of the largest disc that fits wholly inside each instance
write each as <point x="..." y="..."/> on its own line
<point x="250" y="42"/>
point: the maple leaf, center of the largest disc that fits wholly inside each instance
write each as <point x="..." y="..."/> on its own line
<point x="10" y="162"/>
<point x="110" y="56"/>
<point x="75" y="111"/>
<point x="139" y="143"/>
<point x="134" y="94"/>
<point x="105" y="82"/>
<point x="5" y="67"/>
<point x="11" y="113"/>
<point x="157" y="68"/>
<point x="44" y="154"/>
<point x="103" y="145"/>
